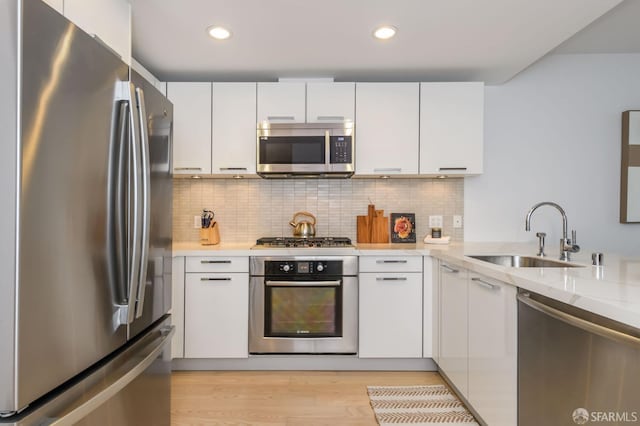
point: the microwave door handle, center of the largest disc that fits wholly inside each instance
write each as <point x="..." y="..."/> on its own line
<point x="327" y="148"/>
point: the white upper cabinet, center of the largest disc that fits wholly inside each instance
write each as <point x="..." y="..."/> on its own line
<point x="387" y="128"/>
<point x="234" y="128"/>
<point x="330" y="102"/>
<point x="58" y="5"/>
<point x="281" y="102"/>
<point x="110" y="20"/>
<point x="191" y="127"/>
<point x="451" y="128"/>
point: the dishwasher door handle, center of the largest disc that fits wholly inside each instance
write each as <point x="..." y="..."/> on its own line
<point x="580" y="323"/>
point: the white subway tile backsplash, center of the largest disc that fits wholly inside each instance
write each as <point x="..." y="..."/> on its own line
<point x="249" y="209"/>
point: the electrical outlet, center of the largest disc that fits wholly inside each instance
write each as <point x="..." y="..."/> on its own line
<point x="435" y="221"/>
<point x="457" y="221"/>
<point x="197" y="222"/>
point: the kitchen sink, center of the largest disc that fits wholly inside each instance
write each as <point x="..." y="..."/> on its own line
<point x="516" y="261"/>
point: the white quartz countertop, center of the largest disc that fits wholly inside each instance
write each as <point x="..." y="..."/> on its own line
<point x="611" y="290"/>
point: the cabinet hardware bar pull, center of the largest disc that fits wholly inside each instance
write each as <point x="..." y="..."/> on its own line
<point x="214" y="261"/>
<point x="222" y="169"/>
<point x="483" y="283"/>
<point x="390" y="169"/>
<point x="449" y="269"/>
<point x="187" y="168"/>
<point x="391" y="261"/>
<point x="391" y="278"/>
<point x="331" y="117"/>
<point x="444" y="169"/>
<point x="215" y="279"/>
<point x="280" y="117"/>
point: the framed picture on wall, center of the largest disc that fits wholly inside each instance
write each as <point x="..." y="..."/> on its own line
<point x="403" y="227"/>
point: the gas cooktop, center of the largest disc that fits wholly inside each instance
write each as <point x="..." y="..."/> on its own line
<point x="279" y="242"/>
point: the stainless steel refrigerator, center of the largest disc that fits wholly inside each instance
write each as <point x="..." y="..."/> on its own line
<point x="85" y="229"/>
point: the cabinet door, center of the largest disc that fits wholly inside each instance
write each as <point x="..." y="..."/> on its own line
<point x="493" y="350"/>
<point x="453" y="325"/>
<point x="110" y="20"/>
<point x="281" y="102"/>
<point x="216" y="315"/>
<point x="177" y="307"/>
<point x="390" y="315"/>
<point x="430" y="310"/>
<point x="386" y="128"/>
<point x="330" y="102"/>
<point x="58" y="5"/>
<point x="451" y="128"/>
<point x="234" y="128"/>
<point x="191" y="127"/>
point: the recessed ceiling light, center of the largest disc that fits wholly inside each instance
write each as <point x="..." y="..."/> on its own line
<point x="385" y="32"/>
<point x="219" y="33"/>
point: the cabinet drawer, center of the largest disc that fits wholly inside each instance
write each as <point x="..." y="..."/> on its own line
<point x="217" y="264"/>
<point x="390" y="263"/>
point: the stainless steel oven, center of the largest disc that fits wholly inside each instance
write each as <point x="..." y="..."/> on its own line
<point x="303" y="305"/>
<point x="305" y="150"/>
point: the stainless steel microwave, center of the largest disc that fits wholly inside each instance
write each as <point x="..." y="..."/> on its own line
<point x="305" y="150"/>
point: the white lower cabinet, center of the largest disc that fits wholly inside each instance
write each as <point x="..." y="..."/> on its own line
<point x="453" y="325"/>
<point x="216" y="315"/>
<point x="477" y="342"/>
<point x="390" y="315"/>
<point x="493" y="350"/>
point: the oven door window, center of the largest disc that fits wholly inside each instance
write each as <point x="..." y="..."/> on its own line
<point x="303" y="311"/>
<point x="292" y="150"/>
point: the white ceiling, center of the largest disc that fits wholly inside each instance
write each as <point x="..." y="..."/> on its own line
<point x="617" y="31"/>
<point x="484" y="40"/>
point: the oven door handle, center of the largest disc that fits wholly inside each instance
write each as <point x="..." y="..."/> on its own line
<point x="335" y="283"/>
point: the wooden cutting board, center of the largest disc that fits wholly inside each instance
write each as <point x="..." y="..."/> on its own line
<point x="363" y="229"/>
<point x="380" y="228"/>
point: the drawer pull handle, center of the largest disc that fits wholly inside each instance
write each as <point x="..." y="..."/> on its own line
<point x="331" y="117"/>
<point x="446" y="169"/>
<point x="391" y="261"/>
<point x="391" y="278"/>
<point x="215" y="279"/>
<point x="485" y="284"/>
<point x="280" y="117"/>
<point x="215" y="262"/>
<point x="449" y="269"/>
<point x="188" y="168"/>
<point x="239" y="169"/>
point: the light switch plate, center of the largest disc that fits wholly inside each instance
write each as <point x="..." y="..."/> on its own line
<point x="435" y="221"/>
<point x="197" y="222"/>
<point x="457" y="221"/>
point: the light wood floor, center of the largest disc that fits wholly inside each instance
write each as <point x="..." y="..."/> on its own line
<point x="281" y="397"/>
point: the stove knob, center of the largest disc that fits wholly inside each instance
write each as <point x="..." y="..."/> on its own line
<point x="319" y="267"/>
<point x="286" y="268"/>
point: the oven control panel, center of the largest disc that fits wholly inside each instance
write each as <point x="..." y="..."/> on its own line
<point x="303" y="267"/>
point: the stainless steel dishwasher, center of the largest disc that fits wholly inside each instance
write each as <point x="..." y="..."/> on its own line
<point x="575" y="367"/>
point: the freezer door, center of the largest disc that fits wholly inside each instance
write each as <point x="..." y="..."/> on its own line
<point x="67" y="301"/>
<point x="154" y="296"/>
<point x="132" y="388"/>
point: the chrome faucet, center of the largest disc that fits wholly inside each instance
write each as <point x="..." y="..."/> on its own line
<point x="567" y="245"/>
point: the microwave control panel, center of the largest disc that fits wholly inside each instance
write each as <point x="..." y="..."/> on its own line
<point x="340" y="148"/>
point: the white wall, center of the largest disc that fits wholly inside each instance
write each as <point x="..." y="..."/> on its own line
<point x="553" y="134"/>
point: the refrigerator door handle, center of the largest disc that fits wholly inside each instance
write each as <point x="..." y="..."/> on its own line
<point x="134" y="213"/>
<point x="146" y="199"/>
<point x="117" y="219"/>
<point x="97" y="400"/>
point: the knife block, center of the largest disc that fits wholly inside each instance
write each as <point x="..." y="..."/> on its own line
<point x="211" y="235"/>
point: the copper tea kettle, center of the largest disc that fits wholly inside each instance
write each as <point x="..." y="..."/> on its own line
<point x="303" y="228"/>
